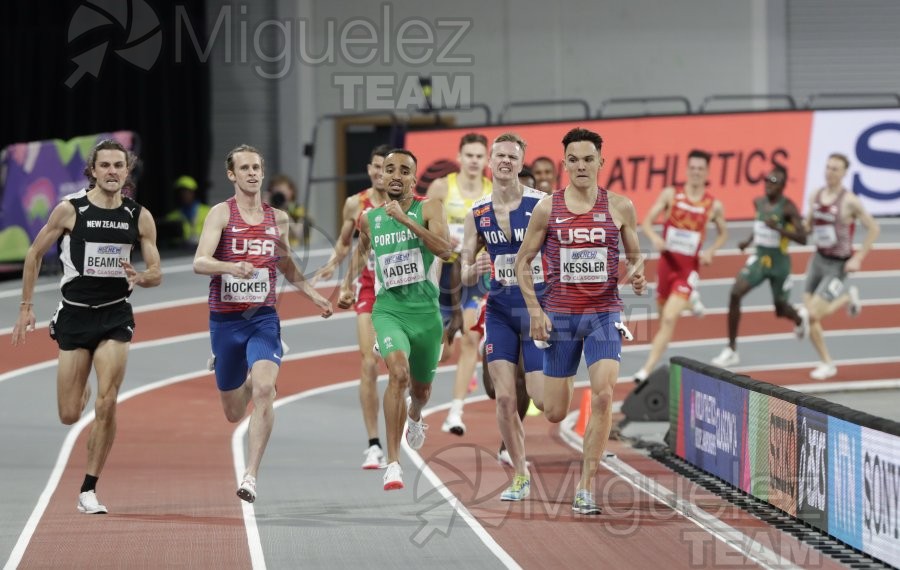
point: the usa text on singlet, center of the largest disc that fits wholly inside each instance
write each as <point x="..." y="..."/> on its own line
<point x="257" y="245"/>
<point x="581" y="258"/>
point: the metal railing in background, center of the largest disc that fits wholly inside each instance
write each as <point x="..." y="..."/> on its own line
<point x="439" y="113"/>
<point x="786" y="99"/>
<point x="645" y="102"/>
<point x="309" y="150"/>
<point x="545" y="103"/>
<point x="857" y="99"/>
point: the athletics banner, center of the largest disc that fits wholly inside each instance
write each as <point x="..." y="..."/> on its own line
<point x="643" y="155"/>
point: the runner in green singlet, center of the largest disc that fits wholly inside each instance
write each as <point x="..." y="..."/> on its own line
<point x="777" y="221"/>
<point x="409" y="238"/>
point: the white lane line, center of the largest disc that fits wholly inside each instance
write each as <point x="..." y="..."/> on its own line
<point x="736" y="252"/>
<point x="257" y="557"/>
<point x="63" y="458"/>
<point x="765" y="338"/>
<point x="237" y="450"/>
<point x="253" y="539"/>
<point x="738" y="224"/>
<point x="166" y="269"/>
<point x="814" y="363"/>
<point x="186" y="267"/>
<point x="631" y="315"/>
<point x="800" y="277"/>
<point x="722" y="531"/>
<point x="76" y="429"/>
<point x="729" y="252"/>
<point x="457" y="505"/>
<point x="166" y="305"/>
<point x="237" y="446"/>
<point x="629" y="348"/>
<point x="847" y="386"/>
<point x="171" y="340"/>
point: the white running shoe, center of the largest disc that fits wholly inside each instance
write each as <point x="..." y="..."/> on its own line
<point x="454" y="424"/>
<point x="393" y="477"/>
<point x="247" y="490"/>
<point x="802" y="330"/>
<point x="504" y="458"/>
<point x="374" y="458"/>
<point x="854" y="307"/>
<point x="823" y="371"/>
<point x="415" y="433"/>
<point x="726" y="358"/>
<point x="698" y="309"/>
<point x="89" y="505"/>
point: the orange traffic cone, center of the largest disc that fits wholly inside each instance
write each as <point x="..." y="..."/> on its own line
<point x="584" y="413"/>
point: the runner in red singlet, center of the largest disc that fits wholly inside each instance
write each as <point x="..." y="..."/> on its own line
<point x="581" y="229"/>
<point x="243" y="243"/>
<point x="354" y="208"/>
<point x="687" y="211"/>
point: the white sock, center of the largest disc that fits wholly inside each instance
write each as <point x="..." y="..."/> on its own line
<point x="641" y="375"/>
<point x="456" y="407"/>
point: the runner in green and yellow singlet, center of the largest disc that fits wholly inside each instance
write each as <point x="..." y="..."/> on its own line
<point x="777" y="221"/>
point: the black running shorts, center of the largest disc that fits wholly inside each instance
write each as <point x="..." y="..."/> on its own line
<point x="81" y="327"/>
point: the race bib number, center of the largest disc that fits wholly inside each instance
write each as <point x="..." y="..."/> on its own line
<point x="457" y="232"/>
<point x="505" y="269"/>
<point x="824" y="235"/>
<point x="585" y="265"/>
<point x="252" y="290"/>
<point x="764" y="236"/>
<point x="105" y="259"/>
<point x="685" y="242"/>
<point x="402" y="268"/>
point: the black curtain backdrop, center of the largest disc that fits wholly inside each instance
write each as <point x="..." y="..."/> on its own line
<point x="143" y="89"/>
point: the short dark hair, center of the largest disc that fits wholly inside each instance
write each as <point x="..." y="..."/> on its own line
<point x="842" y="157"/>
<point x="381" y="150"/>
<point x="472" y="138"/>
<point x="106" y="144"/>
<point x="697" y="153"/>
<point x="229" y="158"/>
<point x="403" y="151"/>
<point x="579" y="134"/>
<point x="544" y="159"/>
<point x="781" y="169"/>
<point x="526" y="172"/>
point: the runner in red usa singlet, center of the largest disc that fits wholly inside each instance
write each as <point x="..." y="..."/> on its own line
<point x="242" y="245"/>
<point x="582" y="229"/>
